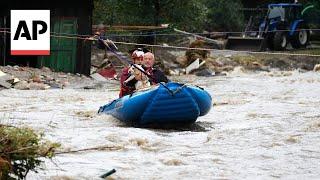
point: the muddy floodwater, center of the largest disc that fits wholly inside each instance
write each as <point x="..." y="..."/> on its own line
<point x="262" y="125"/>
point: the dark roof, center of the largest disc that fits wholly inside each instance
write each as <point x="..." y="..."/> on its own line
<point x="285" y="5"/>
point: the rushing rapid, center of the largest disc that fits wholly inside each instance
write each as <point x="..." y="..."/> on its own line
<point x="262" y="125"/>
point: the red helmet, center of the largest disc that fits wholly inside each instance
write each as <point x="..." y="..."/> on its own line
<point x="137" y="54"/>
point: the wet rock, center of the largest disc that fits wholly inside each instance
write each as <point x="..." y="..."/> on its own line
<point x="238" y="70"/>
<point x="182" y="60"/>
<point x="278" y="63"/>
<point x="280" y="73"/>
<point x="167" y="64"/>
<point x="176" y="71"/>
<point x="316" y="68"/>
<point x="222" y="61"/>
<point x="22" y="68"/>
<point x="38" y="86"/>
<point x="22" y="85"/>
<point x="205" y="73"/>
<point x="286" y="73"/>
<point x="48" y="78"/>
<point x="16" y="68"/>
<point x="94" y="86"/>
<point x="46" y="69"/>
<point x="224" y="68"/>
<point x="62" y="76"/>
<point x="193" y="54"/>
<point x="222" y="73"/>
<point x="6" y="80"/>
<point x="36" y="79"/>
<point x="302" y="70"/>
<point x="65" y="83"/>
<point x="256" y="66"/>
<point x="55" y="84"/>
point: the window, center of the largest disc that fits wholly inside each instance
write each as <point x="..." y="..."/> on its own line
<point x="276" y="12"/>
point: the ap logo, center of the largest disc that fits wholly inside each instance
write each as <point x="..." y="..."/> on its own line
<point x="30" y="32"/>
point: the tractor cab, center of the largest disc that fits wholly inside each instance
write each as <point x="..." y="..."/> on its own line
<point x="285" y="12"/>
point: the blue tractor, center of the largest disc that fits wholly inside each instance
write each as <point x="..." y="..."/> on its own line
<point x="283" y="24"/>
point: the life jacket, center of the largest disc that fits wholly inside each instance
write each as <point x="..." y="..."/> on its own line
<point x="128" y="88"/>
<point x="157" y="75"/>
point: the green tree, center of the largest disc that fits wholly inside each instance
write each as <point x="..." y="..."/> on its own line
<point x="188" y="14"/>
<point x="224" y="15"/>
<point x="312" y="15"/>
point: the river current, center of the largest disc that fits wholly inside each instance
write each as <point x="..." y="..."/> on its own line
<point x="262" y="126"/>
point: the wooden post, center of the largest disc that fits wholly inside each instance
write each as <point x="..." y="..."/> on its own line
<point x="4" y="40"/>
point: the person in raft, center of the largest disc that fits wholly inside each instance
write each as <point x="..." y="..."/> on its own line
<point x="128" y="87"/>
<point x="156" y="74"/>
<point x="132" y="78"/>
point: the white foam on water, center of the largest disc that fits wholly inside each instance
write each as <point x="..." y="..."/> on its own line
<point x="263" y="125"/>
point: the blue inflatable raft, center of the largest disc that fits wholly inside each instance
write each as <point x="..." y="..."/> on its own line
<point x="170" y="103"/>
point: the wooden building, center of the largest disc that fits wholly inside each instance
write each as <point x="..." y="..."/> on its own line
<point x="68" y="17"/>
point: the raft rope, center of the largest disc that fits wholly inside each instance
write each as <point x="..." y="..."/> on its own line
<point x="168" y="89"/>
<point x="179" y="89"/>
<point x="180" y="34"/>
<point x="87" y="38"/>
<point x="218" y="50"/>
<point x="174" y="34"/>
<point x="189" y="48"/>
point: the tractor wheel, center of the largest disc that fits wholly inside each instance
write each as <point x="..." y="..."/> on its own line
<point x="280" y="41"/>
<point x="300" y="38"/>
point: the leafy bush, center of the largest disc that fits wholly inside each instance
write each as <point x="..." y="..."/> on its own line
<point x="20" y="150"/>
<point x="225" y="15"/>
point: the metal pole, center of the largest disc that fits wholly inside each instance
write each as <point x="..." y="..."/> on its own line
<point x="4" y="40"/>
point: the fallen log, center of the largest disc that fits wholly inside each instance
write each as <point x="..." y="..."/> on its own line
<point x="217" y="44"/>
